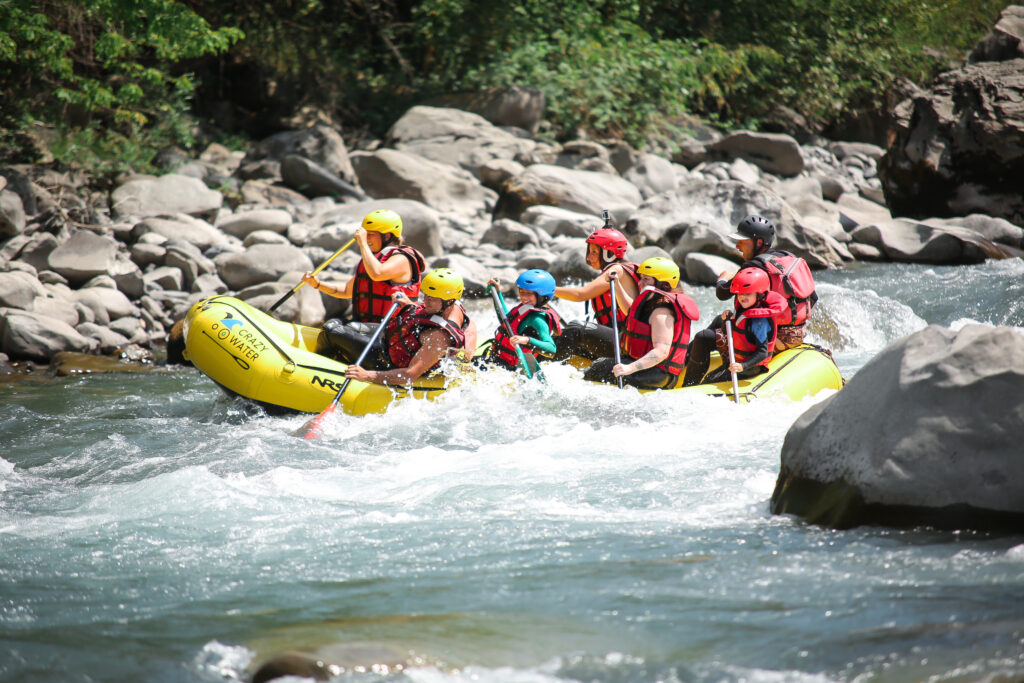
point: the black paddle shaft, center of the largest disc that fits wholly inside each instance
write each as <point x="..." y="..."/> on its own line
<point x="366" y="350"/>
<point x="615" y="321"/>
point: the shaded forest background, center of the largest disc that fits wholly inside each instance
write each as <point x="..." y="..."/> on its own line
<point x="109" y="83"/>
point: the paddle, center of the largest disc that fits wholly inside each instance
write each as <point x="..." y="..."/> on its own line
<point x="615" y="321"/>
<point x="314" y="425"/>
<point x="732" y="359"/>
<point x="288" y="295"/>
<point x="499" y="309"/>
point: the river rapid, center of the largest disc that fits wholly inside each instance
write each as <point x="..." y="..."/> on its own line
<point x="153" y="530"/>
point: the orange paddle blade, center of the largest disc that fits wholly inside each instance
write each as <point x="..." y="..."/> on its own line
<point x="315" y="426"/>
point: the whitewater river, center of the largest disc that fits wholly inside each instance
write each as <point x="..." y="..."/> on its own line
<point x="152" y="530"/>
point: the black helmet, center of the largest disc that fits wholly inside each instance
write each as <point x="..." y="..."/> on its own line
<point x="755" y="227"/>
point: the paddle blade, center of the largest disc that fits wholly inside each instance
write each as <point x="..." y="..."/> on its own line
<point x="315" y="426"/>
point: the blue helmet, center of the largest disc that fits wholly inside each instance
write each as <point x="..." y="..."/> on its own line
<point x="539" y="282"/>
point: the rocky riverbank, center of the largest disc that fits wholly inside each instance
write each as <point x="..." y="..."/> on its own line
<point x="108" y="270"/>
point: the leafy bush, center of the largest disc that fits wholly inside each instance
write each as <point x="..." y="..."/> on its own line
<point x="124" y="68"/>
<point x="600" y="71"/>
<point x="110" y="65"/>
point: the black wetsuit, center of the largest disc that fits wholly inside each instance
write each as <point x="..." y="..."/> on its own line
<point x="649" y="378"/>
<point x="698" y="356"/>
<point x="585" y="339"/>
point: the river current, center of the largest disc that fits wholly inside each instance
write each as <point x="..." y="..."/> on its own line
<point x="153" y="530"/>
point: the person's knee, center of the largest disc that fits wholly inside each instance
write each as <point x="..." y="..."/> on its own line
<point x="600" y="370"/>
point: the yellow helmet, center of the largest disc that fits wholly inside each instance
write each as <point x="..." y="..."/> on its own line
<point x="383" y="221"/>
<point x="661" y="269"/>
<point x="443" y="283"/>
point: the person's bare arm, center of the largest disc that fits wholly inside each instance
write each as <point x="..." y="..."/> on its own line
<point x="662" y="324"/>
<point x="434" y="346"/>
<point x="595" y="287"/>
<point x="393" y="269"/>
<point x="340" y="290"/>
<point x="626" y="290"/>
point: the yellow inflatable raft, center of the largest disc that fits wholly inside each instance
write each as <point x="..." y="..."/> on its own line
<point x="279" y="364"/>
<point x="793" y="374"/>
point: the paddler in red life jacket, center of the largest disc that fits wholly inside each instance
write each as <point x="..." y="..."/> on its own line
<point x="790" y="277"/>
<point x="755" y="311"/>
<point x="387" y="266"/>
<point x="534" y="323"/>
<point x="420" y="336"/>
<point x="606" y="252"/>
<point x="655" y="332"/>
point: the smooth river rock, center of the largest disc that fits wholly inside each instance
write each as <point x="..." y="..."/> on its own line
<point x="927" y="433"/>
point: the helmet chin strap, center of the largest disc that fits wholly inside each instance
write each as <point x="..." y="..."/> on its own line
<point x="655" y="288"/>
<point x="607" y="256"/>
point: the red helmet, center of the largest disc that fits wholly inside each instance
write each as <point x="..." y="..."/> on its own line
<point x="610" y="240"/>
<point x="750" y="281"/>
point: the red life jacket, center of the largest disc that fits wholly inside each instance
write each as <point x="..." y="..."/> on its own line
<point x="371" y="299"/>
<point x="504" y="349"/>
<point x="402" y="333"/>
<point x="637" y="341"/>
<point x="772" y="306"/>
<point x="603" y="302"/>
<point x="790" y="277"/>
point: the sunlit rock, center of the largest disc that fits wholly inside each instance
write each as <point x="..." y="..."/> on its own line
<point x="927" y="433"/>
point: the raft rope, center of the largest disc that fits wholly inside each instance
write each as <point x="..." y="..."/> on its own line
<point x="270" y="339"/>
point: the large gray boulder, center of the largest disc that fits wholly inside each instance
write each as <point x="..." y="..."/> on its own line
<point x="1004" y="41"/>
<point x="913" y="242"/>
<point x="84" y="256"/>
<point x="31" y="336"/>
<point x="582" y="191"/>
<point x="181" y="227"/>
<point x="509" y="234"/>
<point x="998" y="230"/>
<point x="169" y="194"/>
<point x="516" y="106"/>
<point x="927" y="433"/>
<point x="12" y="215"/>
<point x="19" y="289"/>
<point x="259" y="264"/>
<point x="652" y="175"/>
<point x="571" y="265"/>
<point x="313" y="180"/>
<point x="775" y="153"/>
<point x="456" y="138"/>
<point x="245" y="222"/>
<point x="959" y="146"/>
<point x="701" y="214"/>
<point x="555" y="221"/>
<point x="320" y="144"/>
<point x="404" y="175"/>
<point x="474" y="274"/>
<point x="106" y="304"/>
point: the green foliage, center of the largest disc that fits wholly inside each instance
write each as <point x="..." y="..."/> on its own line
<point x="831" y="54"/>
<point x="599" y="70"/>
<point x="110" y="64"/>
<point x="117" y="73"/>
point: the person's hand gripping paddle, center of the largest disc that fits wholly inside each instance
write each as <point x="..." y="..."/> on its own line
<point x="732" y="359"/>
<point x="315" y="426"/>
<point x="499" y="309"/>
<point x="615" y="320"/>
<point x="288" y="295"/>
